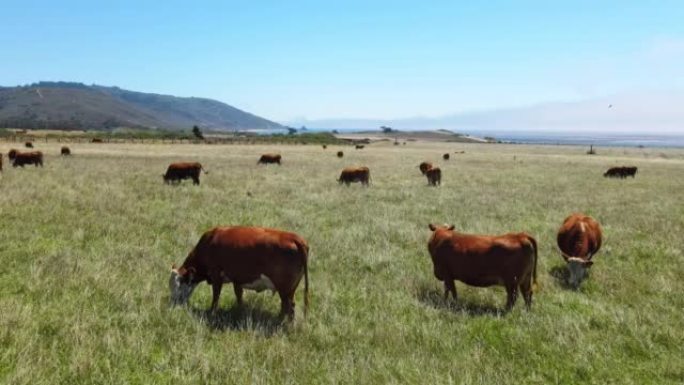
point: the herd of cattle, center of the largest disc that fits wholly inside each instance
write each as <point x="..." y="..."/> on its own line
<point x="256" y="258"/>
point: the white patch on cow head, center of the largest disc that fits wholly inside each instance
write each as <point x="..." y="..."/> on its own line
<point x="578" y="268"/>
<point x="180" y="287"/>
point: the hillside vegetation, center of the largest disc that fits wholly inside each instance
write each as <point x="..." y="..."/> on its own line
<point x="87" y="243"/>
<point x="75" y="106"/>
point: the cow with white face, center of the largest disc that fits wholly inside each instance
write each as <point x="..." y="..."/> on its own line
<point x="252" y="258"/>
<point x="579" y="239"/>
<point x="181" y="285"/>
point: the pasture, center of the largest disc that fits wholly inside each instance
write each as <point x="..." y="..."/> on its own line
<point x="87" y="242"/>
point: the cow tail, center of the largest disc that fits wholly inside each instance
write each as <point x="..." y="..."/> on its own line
<point x="304" y="252"/>
<point x="536" y="258"/>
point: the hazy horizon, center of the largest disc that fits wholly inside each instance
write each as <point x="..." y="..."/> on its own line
<point x="525" y="66"/>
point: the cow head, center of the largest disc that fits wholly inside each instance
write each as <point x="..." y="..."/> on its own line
<point x="579" y="269"/>
<point x="442" y="227"/>
<point x="181" y="284"/>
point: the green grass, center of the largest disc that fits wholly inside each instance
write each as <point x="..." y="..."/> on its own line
<point x="87" y="242"/>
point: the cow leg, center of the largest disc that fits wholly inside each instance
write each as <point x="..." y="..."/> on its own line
<point x="526" y="289"/>
<point x="238" y="293"/>
<point x="287" y="305"/>
<point x="195" y="180"/>
<point x="512" y="294"/>
<point x="449" y="287"/>
<point x="216" y="293"/>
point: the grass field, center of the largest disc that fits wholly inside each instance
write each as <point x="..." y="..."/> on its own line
<point x="86" y="245"/>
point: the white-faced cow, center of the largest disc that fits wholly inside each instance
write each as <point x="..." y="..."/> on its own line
<point x="253" y="258"/>
<point x="579" y="238"/>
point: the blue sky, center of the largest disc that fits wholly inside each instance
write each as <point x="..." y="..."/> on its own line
<point x="294" y="60"/>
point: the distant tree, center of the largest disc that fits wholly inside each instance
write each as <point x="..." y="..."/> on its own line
<point x="291" y="131"/>
<point x="197" y="132"/>
<point x="386" y="129"/>
<point x="335" y="132"/>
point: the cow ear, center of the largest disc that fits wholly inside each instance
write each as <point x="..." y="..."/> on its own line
<point x="452" y="227"/>
<point x="173" y="267"/>
<point x="432" y="227"/>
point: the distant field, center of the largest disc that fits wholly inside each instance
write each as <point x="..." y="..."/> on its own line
<point x="86" y="244"/>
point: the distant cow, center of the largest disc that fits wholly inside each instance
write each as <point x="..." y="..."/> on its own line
<point x="0" y="161"/>
<point x="324" y="146"/>
<point x="65" y="151"/>
<point x="96" y="140"/>
<point x="340" y="154"/>
<point x="579" y="238"/>
<point x="480" y="260"/>
<point x="445" y="156"/>
<point x="252" y="258"/>
<point x="434" y="176"/>
<point x="176" y="172"/>
<point x="270" y="158"/>
<point x="355" y="174"/>
<point x="28" y="144"/>
<point x="23" y="158"/>
<point x="360" y="146"/>
<point x="620" y="172"/>
<point x="424" y="166"/>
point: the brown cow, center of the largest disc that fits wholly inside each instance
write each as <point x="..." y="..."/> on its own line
<point x="360" y="146"/>
<point x="269" y="158"/>
<point x="96" y="140"/>
<point x="253" y="258"/>
<point x="28" y="144"/>
<point x="579" y="238"/>
<point x="434" y="176"/>
<point x="65" y="151"/>
<point x="445" y="156"/>
<point x="424" y="166"/>
<point x="340" y="154"/>
<point x="22" y="158"/>
<point x="324" y="146"/>
<point x="0" y="161"/>
<point x="176" y="172"/>
<point x="480" y="260"/>
<point x="355" y="174"/>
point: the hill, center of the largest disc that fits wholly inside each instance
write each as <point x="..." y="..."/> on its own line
<point x="62" y="105"/>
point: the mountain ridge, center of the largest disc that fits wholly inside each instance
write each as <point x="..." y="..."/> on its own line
<point x="71" y="105"/>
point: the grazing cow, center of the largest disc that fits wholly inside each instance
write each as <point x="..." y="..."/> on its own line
<point x="445" y="156"/>
<point x="96" y="140"/>
<point x="65" y="151"/>
<point x="28" y="144"/>
<point x="620" y="172"/>
<point x="22" y="158"/>
<point x="434" y="176"/>
<point x="340" y="154"/>
<point x="579" y="238"/>
<point x="479" y="260"/>
<point x="360" y="146"/>
<point x="355" y="174"/>
<point x="424" y="166"/>
<point x="270" y="158"/>
<point x="253" y="258"/>
<point x="179" y="171"/>
<point x="324" y="146"/>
